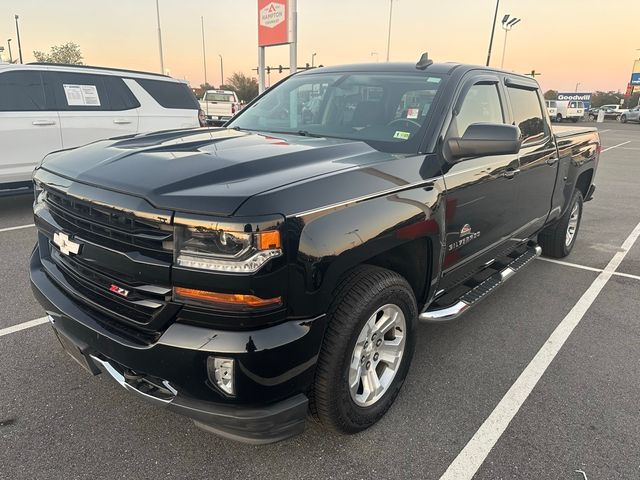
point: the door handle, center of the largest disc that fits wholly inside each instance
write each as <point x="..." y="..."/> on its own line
<point x="551" y="161"/>
<point x="511" y="173"/>
<point x="43" y="123"/>
<point x="121" y="121"/>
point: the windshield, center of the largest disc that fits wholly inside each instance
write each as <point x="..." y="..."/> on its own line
<point x="387" y="111"/>
<point x="218" y="97"/>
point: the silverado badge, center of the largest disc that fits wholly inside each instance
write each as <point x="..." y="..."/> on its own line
<point x="65" y="244"/>
<point x="466" y="235"/>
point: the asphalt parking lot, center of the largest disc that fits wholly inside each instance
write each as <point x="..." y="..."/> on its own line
<point x="581" y="415"/>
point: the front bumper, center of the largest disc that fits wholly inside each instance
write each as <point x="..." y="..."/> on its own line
<point x="275" y="366"/>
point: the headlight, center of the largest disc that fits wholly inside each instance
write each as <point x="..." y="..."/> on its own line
<point x="225" y="251"/>
<point x="39" y="194"/>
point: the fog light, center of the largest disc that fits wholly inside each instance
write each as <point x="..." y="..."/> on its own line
<point x="221" y="372"/>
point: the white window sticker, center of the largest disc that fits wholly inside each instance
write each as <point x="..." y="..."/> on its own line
<point x="413" y="112"/>
<point x="82" y="95"/>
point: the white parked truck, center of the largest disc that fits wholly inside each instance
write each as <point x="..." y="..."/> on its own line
<point x="219" y="106"/>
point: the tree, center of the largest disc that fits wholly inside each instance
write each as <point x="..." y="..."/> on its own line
<point x="68" y="54"/>
<point x="551" y="95"/>
<point x="605" y="98"/>
<point x="245" y="87"/>
<point x="207" y="86"/>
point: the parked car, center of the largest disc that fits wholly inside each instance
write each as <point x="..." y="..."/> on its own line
<point x="219" y="106"/>
<point x="610" y="111"/>
<point x="569" y="110"/>
<point x="552" y="108"/>
<point x="45" y="107"/>
<point x="246" y="275"/>
<point x="632" y="115"/>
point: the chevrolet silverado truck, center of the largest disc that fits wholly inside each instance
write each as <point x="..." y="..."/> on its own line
<point x="278" y="267"/>
<point x="219" y="106"/>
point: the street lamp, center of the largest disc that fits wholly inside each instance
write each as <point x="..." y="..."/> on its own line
<point x="221" y="71"/>
<point x="9" y="45"/>
<point x="493" y="29"/>
<point x="159" y="38"/>
<point x="204" y="52"/>
<point x="507" y="25"/>
<point x="18" y="35"/>
<point x="389" y="33"/>
<point x="313" y="56"/>
<point x="577" y="85"/>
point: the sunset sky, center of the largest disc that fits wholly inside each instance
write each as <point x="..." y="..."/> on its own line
<point x="568" y="41"/>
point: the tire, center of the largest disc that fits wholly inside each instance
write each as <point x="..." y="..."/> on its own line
<point x="559" y="118"/>
<point x="556" y="241"/>
<point x="358" y="299"/>
<point x="575" y="120"/>
<point x="623" y="119"/>
<point x="592" y="118"/>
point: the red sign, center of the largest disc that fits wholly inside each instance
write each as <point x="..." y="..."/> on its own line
<point x="629" y="90"/>
<point x="273" y="22"/>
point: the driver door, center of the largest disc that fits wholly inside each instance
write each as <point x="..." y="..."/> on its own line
<point x="481" y="196"/>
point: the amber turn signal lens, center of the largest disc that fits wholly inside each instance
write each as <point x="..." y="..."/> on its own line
<point x="227" y="299"/>
<point x="269" y="240"/>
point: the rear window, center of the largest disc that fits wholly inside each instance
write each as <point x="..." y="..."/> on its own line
<point x="170" y="94"/>
<point x="219" y="97"/>
<point x="527" y="113"/>
<point x="22" y="91"/>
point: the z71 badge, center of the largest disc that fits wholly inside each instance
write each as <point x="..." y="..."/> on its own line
<point x="466" y="236"/>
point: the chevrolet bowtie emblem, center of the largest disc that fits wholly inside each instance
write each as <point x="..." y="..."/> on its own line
<point x="65" y="244"/>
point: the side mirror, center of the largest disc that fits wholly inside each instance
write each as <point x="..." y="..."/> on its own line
<point x="482" y="139"/>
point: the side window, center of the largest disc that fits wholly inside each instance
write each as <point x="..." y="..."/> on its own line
<point x="170" y="94"/>
<point x="80" y="91"/>
<point x="120" y="97"/>
<point x="22" y="91"/>
<point x="527" y="113"/>
<point x="481" y="105"/>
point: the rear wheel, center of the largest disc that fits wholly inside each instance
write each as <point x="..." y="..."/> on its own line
<point x="558" y="240"/>
<point x="366" y="351"/>
<point x="559" y="117"/>
<point x="623" y="119"/>
<point x="575" y="119"/>
<point x="592" y="117"/>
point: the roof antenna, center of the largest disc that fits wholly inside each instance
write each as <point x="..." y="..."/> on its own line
<point x="424" y="62"/>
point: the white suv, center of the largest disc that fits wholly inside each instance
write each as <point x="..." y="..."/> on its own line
<point x="44" y="108"/>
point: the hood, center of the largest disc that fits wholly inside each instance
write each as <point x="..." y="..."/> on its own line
<point x="206" y="171"/>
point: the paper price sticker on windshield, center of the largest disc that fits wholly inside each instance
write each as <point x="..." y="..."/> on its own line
<point x="413" y="112"/>
<point x="81" y="95"/>
<point x="402" y="135"/>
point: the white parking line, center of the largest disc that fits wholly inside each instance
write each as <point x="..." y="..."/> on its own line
<point x="615" y="146"/>
<point x="602" y="131"/>
<point x="23" y="326"/>
<point x="473" y="455"/>
<point x="584" y="267"/>
<point x="19" y="227"/>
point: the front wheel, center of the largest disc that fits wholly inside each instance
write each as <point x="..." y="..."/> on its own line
<point x="558" y="240"/>
<point x="623" y="119"/>
<point x="592" y="117"/>
<point x="366" y="351"/>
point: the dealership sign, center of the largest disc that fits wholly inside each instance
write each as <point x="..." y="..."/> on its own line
<point x="273" y="22"/>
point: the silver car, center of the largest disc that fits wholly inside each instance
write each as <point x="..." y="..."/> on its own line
<point x="632" y="115"/>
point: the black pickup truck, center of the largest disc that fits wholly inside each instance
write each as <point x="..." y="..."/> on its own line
<point x="249" y="275"/>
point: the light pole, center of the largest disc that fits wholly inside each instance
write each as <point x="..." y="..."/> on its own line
<point x="159" y="37"/>
<point x="389" y="32"/>
<point x="204" y="51"/>
<point x="313" y="56"/>
<point x="18" y="35"/>
<point x="377" y="56"/>
<point x="221" y="71"/>
<point x="507" y="25"/>
<point x="9" y="45"/>
<point x="493" y="29"/>
<point x="577" y="85"/>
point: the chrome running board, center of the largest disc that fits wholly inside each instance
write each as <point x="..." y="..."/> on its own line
<point x="480" y="291"/>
